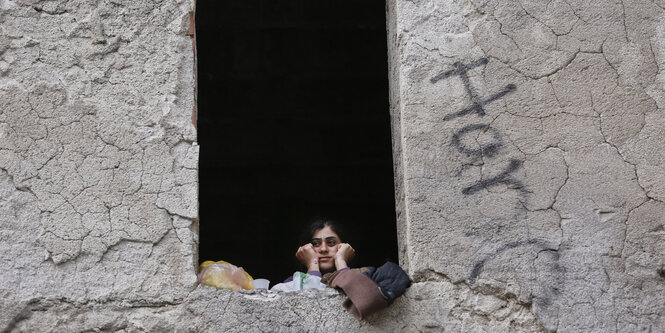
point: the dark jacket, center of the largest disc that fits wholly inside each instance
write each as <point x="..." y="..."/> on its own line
<point x="391" y="279"/>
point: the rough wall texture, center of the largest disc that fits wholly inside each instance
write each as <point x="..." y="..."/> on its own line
<point x="528" y="162"/>
<point x="530" y="149"/>
<point x="97" y="150"/>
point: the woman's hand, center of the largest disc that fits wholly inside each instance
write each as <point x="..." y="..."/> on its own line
<point x="344" y="254"/>
<point x="308" y="257"/>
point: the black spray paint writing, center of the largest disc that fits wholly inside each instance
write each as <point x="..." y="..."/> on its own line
<point x="550" y="288"/>
<point x="478" y="267"/>
<point x="478" y="107"/>
<point x="489" y="150"/>
<point x="478" y="104"/>
<point x="502" y="178"/>
<point x="492" y="149"/>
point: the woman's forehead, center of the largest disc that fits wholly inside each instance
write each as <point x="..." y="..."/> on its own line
<point x="324" y="233"/>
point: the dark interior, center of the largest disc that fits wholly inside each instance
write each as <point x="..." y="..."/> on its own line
<point x="293" y="125"/>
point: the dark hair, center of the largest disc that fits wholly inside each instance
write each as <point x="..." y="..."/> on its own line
<point x="317" y="224"/>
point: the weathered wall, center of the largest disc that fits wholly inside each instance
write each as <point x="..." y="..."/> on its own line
<point x="528" y="163"/>
<point x="530" y="138"/>
<point x="97" y="151"/>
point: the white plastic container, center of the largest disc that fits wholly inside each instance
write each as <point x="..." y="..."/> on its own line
<point x="260" y="284"/>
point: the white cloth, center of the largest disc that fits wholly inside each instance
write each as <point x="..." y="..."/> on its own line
<point x="301" y="281"/>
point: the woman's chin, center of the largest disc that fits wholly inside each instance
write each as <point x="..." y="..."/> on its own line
<point x="326" y="268"/>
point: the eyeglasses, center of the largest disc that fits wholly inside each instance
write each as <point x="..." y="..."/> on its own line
<point x="330" y="241"/>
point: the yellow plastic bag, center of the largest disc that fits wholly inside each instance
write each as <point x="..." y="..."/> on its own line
<point x="223" y="275"/>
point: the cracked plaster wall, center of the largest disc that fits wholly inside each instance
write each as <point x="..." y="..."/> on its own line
<point x="528" y="162"/>
<point x="530" y="138"/>
<point x="98" y="153"/>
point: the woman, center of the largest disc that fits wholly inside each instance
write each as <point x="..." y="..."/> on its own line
<point x="368" y="289"/>
<point x="325" y="252"/>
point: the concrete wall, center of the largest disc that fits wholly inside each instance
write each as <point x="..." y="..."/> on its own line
<point x="98" y="154"/>
<point x="530" y="135"/>
<point x="528" y="162"/>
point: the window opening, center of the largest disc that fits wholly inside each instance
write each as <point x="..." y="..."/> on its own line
<point x="293" y="123"/>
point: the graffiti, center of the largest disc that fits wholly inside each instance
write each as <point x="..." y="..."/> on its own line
<point x="489" y="150"/>
<point x="478" y="267"/>
<point x="502" y="178"/>
<point x="477" y="107"/>
<point x="465" y="140"/>
<point x="548" y="288"/>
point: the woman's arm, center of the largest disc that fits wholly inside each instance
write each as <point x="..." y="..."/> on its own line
<point x="364" y="297"/>
<point x="344" y="254"/>
<point x="307" y="256"/>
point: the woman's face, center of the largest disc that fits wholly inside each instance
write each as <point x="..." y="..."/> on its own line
<point x="325" y="243"/>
